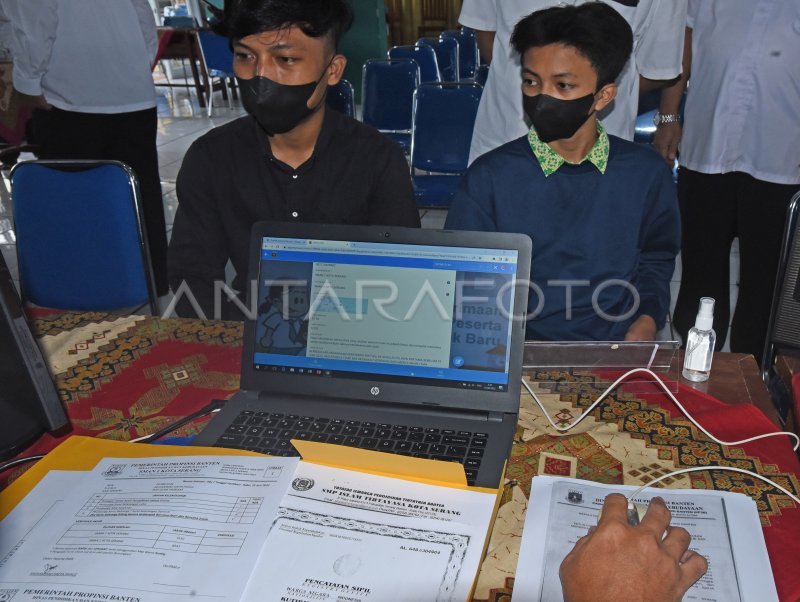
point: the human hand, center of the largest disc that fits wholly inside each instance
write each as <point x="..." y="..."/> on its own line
<point x="642" y="329"/>
<point x="616" y="561"/>
<point x="666" y="140"/>
<point x="35" y="102"/>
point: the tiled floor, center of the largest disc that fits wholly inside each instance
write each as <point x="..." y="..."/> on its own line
<point x="181" y="121"/>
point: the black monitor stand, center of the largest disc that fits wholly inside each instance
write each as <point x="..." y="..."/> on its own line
<point x="29" y="403"/>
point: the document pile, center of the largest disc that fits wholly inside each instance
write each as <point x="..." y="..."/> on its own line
<point x="241" y="528"/>
<point x="724" y="526"/>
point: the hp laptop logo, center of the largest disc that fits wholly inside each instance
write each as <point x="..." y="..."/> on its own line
<point x="374" y="390"/>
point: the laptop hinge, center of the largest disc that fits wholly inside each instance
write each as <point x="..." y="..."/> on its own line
<point x="495" y="417"/>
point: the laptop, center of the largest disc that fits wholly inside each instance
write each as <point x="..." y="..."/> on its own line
<point x="393" y="339"/>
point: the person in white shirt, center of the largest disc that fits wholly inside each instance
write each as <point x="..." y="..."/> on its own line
<point x="657" y="44"/>
<point x="84" y="66"/>
<point x="739" y="157"/>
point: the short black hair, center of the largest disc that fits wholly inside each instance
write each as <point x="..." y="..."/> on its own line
<point x="594" y="29"/>
<point x="315" y="18"/>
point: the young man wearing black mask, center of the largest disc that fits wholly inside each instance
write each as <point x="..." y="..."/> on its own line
<point x="290" y="159"/>
<point x="602" y="211"/>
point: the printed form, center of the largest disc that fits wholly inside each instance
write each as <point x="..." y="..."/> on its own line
<point x="356" y="537"/>
<point x="724" y="526"/>
<point x="144" y="530"/>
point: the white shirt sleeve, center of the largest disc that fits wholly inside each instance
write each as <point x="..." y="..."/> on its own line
<point x="659" y="50"/>
<point x="147" y="22"/>
<point x="691" y="13"/>
<point x="479" y="14"/>
<point x="34" y="31"/>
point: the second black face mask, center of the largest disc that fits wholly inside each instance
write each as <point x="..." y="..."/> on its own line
<point x="557" y="119"/>
<point x="278" y="108"/>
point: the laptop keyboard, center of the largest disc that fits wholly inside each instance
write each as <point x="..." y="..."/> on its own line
<point x="270" y="433"/>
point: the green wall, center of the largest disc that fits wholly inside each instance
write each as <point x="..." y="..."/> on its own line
<point x="367" y="39"/>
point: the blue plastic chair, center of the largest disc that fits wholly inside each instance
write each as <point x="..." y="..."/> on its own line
<point x="468" y="55"/>
<point x="446" y="50"/>
<point x="81" y="243"/>
<point x="481" y="74"/>
<point x="444" y="116"/>
<point x="218" y="60"/>
<point x="387" y="97"/>
<point x="340" y="98"/>
<point x="425" y="57"/>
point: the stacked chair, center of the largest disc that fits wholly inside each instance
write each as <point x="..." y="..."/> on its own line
<point x="387" y="97"/>
<point x="425" y="97"/>
<point x="424" y="55"/>
<point x="443" y="119"/>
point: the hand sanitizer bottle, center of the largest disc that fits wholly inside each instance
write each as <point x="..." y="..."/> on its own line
<point x="700" y="344"/>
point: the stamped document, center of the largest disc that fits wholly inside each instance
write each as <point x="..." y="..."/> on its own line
<point x="231" y="528"/>
<point x="145" y="530"/>
<point x="356" y="537"/>
<point x="724" y="526"/>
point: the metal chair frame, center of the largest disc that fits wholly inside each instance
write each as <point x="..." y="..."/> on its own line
<point x="366" y="118"/>
<point x="225" y="76"/>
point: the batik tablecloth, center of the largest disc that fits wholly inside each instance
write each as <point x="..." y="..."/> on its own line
<point x="124" y="377"/>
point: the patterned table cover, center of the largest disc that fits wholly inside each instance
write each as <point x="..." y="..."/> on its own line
<point x="122" y="377"/>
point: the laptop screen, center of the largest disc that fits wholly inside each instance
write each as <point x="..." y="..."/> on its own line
<point x="433" y="315"/>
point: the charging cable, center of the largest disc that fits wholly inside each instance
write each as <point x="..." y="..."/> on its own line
<point x="691" y="419"/>
<point x="18" y="461"/>
<point x="666" y="390"/>
<point x="728" y="468"/>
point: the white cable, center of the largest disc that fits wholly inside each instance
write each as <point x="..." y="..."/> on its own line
<point x="670" y="395"/>
<point x="699" y="468"/>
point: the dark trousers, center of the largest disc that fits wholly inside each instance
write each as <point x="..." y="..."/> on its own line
<point x="126" y="137"/>
<point x="715" y="209"/>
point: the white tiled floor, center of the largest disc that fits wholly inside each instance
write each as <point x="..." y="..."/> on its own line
<point x="181" y="121"/>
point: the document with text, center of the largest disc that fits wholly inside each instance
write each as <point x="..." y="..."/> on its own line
<point x="231" y="528"/>
<point x="724" y="526"/>
<point x="153" y="529"/>
<point x="366" y="538"/>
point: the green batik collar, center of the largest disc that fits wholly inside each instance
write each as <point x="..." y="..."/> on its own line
<point x="550" y="160"/>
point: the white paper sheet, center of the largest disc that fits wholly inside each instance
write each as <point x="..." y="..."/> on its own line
<point x="725" y="528"/>
<point x="146" y="530"/>
<point x="365" y="538"/>
<point x="49" y="493"/>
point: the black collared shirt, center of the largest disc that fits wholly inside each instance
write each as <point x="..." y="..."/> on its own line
<point x="230" y="179"/>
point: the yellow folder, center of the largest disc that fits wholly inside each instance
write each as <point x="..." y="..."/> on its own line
<point x="83" y="453"/>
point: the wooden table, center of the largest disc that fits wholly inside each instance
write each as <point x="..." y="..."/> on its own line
<point x="787" y="366"/>
<point x="124" y="377"/>
<point x="735" y="379"/>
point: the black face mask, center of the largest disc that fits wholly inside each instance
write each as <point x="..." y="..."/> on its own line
<point x="557" y="119"/>
<point x="278" y="108"/>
